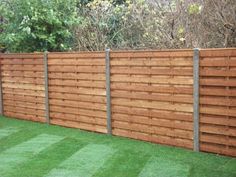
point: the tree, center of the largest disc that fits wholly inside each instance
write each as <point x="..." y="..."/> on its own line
<point x="37" y="25"/>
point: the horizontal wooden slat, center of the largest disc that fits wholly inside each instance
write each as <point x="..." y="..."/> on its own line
<point x="218" y="120"/>
<point x="152" y="97"/>
<point x="22" y="61"/>
<point x="25" y="74"/>
<point x="22" y="104"/>
<point x="231" y="151"/>
<point x="77" y="104"/>
<point x="153" y="130"/>
<point x="146" y="62"/>
<point x="151" y="88"/>
<point x="134" y="54"/>
<point x="86" y="91"/>
<point x="23" y="80"/>
<point x="67" y="55"/>
<point x="79" y="62"/>
<point x="153" y="113"/>
<point x="85" y="112"/>
<point x="23" y="92"/>
<point x="77" y="83"/>
<point x="31" y="111"/>
<point x="25" y="116"/>
<point x="154" y="80"/>
<point x="22" y="56"/>
<point x="79" y="118"/>
<point x="83" y="126"/>
<point x="218" y="72"/>
<point x="23" y="86"/>
<point x="77" y="97"/>
<point x="177" y="72"/>
<point x="81" y="69"/>
<point x="25" y="98"/>
<point x="22" y="68"/>
<point x="218" y="129"/>
<point x="153" y="121"/>
<point x="218" y="111"/>
<point x="153" y="105"/>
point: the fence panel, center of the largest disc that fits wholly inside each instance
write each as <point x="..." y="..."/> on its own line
<point x="77" y="92"/>
<point x="218" y="101"/>
<point x="152" y="96"/>
<point x="23" y="86"/>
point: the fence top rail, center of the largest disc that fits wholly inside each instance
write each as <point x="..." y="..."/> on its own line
<point x="218" y="52"/>
<point x="209" y="52"/>
<point x="21" y="55"/>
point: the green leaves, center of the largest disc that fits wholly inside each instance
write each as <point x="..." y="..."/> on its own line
<point x="37" y="25"/>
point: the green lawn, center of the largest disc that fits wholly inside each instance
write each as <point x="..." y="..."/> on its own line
<point x="29" y="149"/>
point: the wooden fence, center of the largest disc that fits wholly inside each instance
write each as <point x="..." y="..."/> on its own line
<point x="151" y="94"/>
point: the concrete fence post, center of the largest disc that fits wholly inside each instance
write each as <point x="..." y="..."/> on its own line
<point x="108" y="92"/>
<point x="46" y="87"/>
<point x="196" y="99"/>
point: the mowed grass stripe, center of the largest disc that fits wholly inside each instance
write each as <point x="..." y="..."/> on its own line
<point x="159" y="167"/>
<point x="20" y="153"/>
<point x="7" y="131"/>
<point x="124" y="163"/>
<point x="48" y="159"/>
<point x="83" y="163"/>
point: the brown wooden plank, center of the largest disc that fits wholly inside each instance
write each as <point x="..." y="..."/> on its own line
<point x="217" y="120"/>
<point x="22" y="61"/>
<point x="152" y="97"/>
<point x="77" y="104"/>
<point x="31" y="111"/>
<point x="23" y="92"/>
<point x="81" y="69"/>
<point x="83" y="126"/>
<point x="218" y="82"/>
<point x="80" y="62"/>
<point x="23" y="86"/>
<point x="22" y="104"/>
<point x="78" y="118"/>
<point x="153" y="113"/>
<point x="77" y="76"/>
<point x="153" y="121"/>
<point x="175" y="72"/>
<point x="218" y="111"/>
<point x="22" y="55"/>
<point x="153" y="105"/>
<point x="218" y="149"/>
<point x="218" y="129"/>
<point x="78" y="111"/>
<point x="218" y="72"/>
<point x="218" y="101"/>
<point x="153" y="80"/>
<point x="22" y="68"/>
<point x="218" y="139"/>
<point x="153" y="63"/>
<point x="162" y="54"/>
<point x="24" y="74"/>
<point x="218" y="52"/>
<point x="22" y="80"/>
<point x="212" y="91"/>
<point x="151" y="88"/>
<point x="25" y="116"/>
<point x="78" y="97"/>
<point x="77" y="83"/>
<point x="24" y="98"/>
<point x="67" y="55"/>
<point x="85" y="91"/>
<point x="153" y="130"/>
